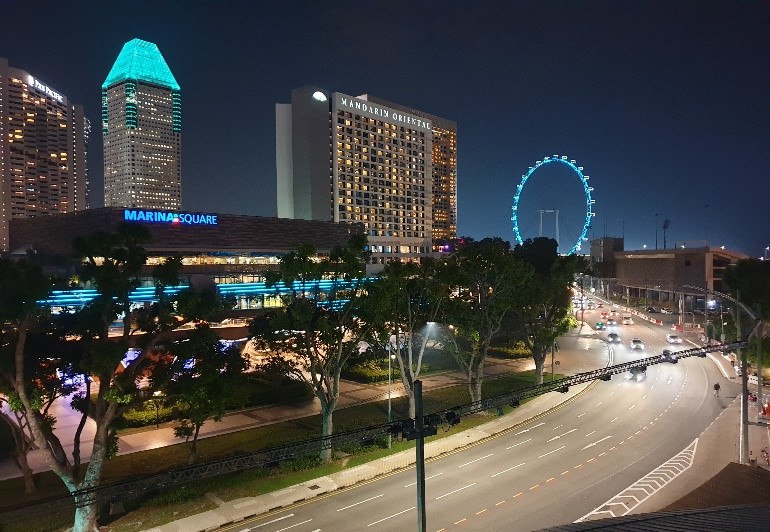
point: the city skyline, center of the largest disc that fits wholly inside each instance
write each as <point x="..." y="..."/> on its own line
<point x="660" y="102"/>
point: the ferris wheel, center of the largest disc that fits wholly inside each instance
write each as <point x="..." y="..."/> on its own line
<point x="589" y="201"/>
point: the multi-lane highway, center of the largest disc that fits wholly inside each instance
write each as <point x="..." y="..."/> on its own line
<point x="549" y="471"/>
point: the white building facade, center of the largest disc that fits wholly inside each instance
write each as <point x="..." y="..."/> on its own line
<point x="347" y="159"/>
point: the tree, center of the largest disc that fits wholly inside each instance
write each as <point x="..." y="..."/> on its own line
<point x="202" y="374"/>
<point x="411" y="298"/>
<point x="542" y="315"/>
<point x="112" y="262"/>
<point x="321" y="332"/>
<point x="22" y="284"/>
<point x="490" y="281"/>
<point x="752" y="278"/>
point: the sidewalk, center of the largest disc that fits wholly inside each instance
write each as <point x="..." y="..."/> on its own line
<point x="572" y="357"/>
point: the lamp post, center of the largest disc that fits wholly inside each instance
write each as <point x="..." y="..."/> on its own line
<point x="390" y="378"/>
<point x="656" y="230"/>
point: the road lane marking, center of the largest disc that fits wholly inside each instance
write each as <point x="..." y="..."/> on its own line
<point x="530" y="428"/>
<point x="560" y="435"/>
<point x="361" y="502"/>
<point x="579" y="465"/>
<point x="392" y="516"/>
<point x="549" y="480"/>
<point x="614" y="420"/>
<point x="426" y="478"/>
<point x="476" y="460"/>
<point x="551" y="452"/>
<point x="592" y="432"/>
<point x="534" y="487"/>
<point x="632" y="407"/>
<point x="506" y="470"/>
<point x="481" y="511"/>
<point x="461" y="520"/>
<point x="669" y="380"/>
<point x="590" y="460"/>
<point x="499" y="503"/>
<point x="292" y="526"/>
<point x="273" y="521"/>
<point x="558" y="427"/>
<point x="455" y="491"/>
<point x="517" y="444"/>
<point x="583" y="414"/>
<point x="612" y="393"/>
<point x="630" y="498"/>
<point x="518" y="494"/>
<point x="595" y="443"/>
<point x="599" y="403"/>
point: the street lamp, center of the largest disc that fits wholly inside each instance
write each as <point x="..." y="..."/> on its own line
<point x="157" y="397"/>
<point x="390" y="378"/>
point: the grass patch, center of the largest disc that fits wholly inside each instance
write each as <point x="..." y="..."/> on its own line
<point x="190" y="500"/>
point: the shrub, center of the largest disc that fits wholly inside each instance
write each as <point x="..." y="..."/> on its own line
<point x="518" y="350"/>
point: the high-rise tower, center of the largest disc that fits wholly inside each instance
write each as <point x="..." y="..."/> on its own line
<point x="43" y="150"/>
<point x="142" y="131"/>
<point x="364" y="159"/>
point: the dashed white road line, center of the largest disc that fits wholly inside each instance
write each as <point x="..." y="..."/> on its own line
<point x="614" y="419"/>
<point x="455" y="491"/>
<point x="560" y="435"/>
<point x="551" y="452"/>
<point x="361" y="502"/>
<point x="530" y="428"/>
<point x="292" y="526"/>
<point x="506" y="470"/>
<point x="596" y="442"/>
<point x="476" y="460"/>
<point x="271" y="522"/>
<point x="392" y="516"/>
<point x="426" y="478"/>
<point x="592" y="432"/>
<point x="517" y="444"/>
<point x="583" y="414"/>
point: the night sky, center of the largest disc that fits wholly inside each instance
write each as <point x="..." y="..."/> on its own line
<point x="664" y="103"/>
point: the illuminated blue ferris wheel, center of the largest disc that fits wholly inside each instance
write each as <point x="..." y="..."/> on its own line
<point x="578" y="170"/>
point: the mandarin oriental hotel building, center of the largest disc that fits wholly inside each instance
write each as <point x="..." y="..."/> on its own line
<point x="231" y="252"/>
<point x="348" y="159"/>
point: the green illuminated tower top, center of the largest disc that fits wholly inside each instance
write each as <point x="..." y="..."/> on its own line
<point x="141" y="61"/>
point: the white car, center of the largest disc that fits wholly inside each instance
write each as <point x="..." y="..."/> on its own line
<point x="636" y="343"/>
<point x="673" y="339"/>
<point x="627" y="320"/>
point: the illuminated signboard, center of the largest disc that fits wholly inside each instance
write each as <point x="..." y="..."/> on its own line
<point x="182" y="218"/>
<point x="32" y="82"/>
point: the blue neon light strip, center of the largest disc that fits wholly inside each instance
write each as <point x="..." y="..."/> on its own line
<point x="146" y="294"/>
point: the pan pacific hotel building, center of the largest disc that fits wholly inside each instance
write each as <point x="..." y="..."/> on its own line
<point x="363" y="160"/>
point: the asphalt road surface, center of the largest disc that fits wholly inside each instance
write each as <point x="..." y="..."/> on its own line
<point x="547" y="472"/>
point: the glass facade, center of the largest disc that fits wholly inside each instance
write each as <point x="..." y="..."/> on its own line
<point x="141" y="127"/>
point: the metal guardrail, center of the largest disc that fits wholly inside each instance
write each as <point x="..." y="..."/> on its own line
<point x="269" y="458"/>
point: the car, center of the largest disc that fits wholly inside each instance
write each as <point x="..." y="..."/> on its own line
<point x="664" y="310"/>
<point x="673" y="339"/>
<point x="627" y="320"/>
<point x="636" y="343"/>
<point x="637" y="373"/>
<point x="669" y="356"/>
<point x="613" y="338"/>
<point x="604" y="315"/>
<point x="652" y="310"/>
<point x="599" y="305"/>
<point x="599" y="326"/>
<point x="611" y="321"/>
<point x="613" y="312"/>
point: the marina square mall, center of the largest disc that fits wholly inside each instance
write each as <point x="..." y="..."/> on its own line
<point x="233" y="251"/>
